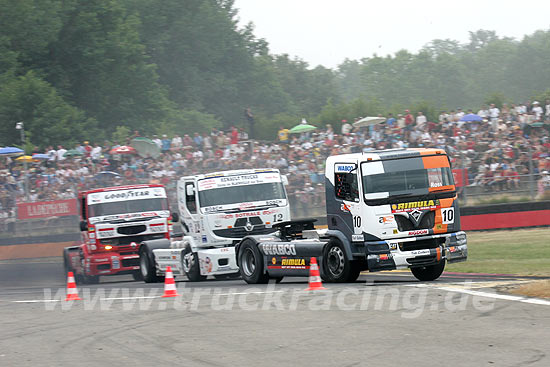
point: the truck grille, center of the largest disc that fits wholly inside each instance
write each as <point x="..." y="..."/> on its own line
<point x="130" y="262"/>
<point x="241" y="222"/>
<point x="405" y="224"/>
<point x="241" y="232"/>
<point x="421" y="245"/>
<point x="132" y="229"/>
<point x="124" y="241"/>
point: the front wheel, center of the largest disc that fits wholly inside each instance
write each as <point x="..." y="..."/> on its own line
<point x="429" y="273"/>
<point x="147" y="268"/>
<point x="251" y="264"/>
<point x="191" y="265"/>
<point x="337" y="268"/>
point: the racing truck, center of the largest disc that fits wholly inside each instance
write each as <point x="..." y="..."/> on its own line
<point x="386" y="210"/>
<point x="216" y="211"/>
<point x="114" y="221"/>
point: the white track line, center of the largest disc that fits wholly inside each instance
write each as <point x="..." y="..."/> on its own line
<point x="535" y="301"/>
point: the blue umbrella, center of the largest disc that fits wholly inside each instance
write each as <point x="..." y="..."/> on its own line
<point x="471" y="117"/>
<point x="10" y="152"/>
<point x="40" y="156"/>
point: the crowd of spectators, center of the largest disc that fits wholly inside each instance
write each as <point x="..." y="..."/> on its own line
<point x="496" y="152"/>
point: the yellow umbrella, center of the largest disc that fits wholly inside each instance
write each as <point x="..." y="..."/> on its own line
<point x="26" y="158"/>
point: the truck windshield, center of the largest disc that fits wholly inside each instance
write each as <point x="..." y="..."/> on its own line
<point x="128" y="206"/>
<point x="242" y="194"/>
<point x="409" y="181"/>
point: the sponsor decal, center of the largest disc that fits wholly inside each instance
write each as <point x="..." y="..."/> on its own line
<point x="345" y="208"/>
<point x="392" y="246"/>
<point x="418" y="232"/>
<point x="238" y="180"/>
<point x="357" y="238"/>
<point x="289" y="263"/>
<point x="415" y="205"/>
<point x="122" y="195"/>
<point x="293" y="262"/>
<point x="395" y="231"/>
<point x="386" y="219"/>
<point x="420" y="252"/>
<point x="278" y="249"/>
<point x="45" y="209"/>
<point x="204" y="239"/>
<point x="344" y="167"/>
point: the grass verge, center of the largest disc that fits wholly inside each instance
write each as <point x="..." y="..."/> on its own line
<point x="522" y="252"/>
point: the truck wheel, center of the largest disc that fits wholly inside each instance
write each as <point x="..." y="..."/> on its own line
<point x="190" y="262"/>
<point x="90" y="279"/>
<point x="85" y="278"/>
<point x="252" y="264"/>
<point x="429" y="273"/>
<point x="137" y="275"/>
<point x="147" y="268"/>
<point x="67" y="263"/>
<point x="337" y="268"/>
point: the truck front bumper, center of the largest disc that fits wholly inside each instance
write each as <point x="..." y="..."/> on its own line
<point x="397" y="254"/>
<point x="112" y="263"/>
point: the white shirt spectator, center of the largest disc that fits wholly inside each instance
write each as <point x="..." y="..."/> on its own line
<point x="52" y="154"/>
<point x="537" y="110"/>
<point x="421" y="121"/>
<point x="177" y="142"/>
<point x="494" y="112"/>
<point x="61" y="154"/>
<point x="96" y="152"/>
<point x="547" y="110"/>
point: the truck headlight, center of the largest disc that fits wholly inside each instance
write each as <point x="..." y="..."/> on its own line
<point x="461" y="238"/>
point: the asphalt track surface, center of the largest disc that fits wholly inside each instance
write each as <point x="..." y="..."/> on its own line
<point x="384" y="319"/>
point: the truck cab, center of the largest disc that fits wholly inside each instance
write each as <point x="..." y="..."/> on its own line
<point x="393" y="209"/>
<point x="216" y="211"/>
<point x="114" y="221"/>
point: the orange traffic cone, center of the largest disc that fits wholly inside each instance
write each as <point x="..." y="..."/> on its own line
<point x="314" y="277"/>
<point x="169" y="284"/>
<point x="72" y="292"/>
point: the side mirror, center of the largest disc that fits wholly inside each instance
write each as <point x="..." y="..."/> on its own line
<point x="175" y="217"/>
<point x="83" y="225"/>
<point x="189" y="190"/>
<point x="284" y="180"/>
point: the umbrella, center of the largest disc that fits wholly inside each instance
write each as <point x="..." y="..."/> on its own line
<point x="145" y="147"/>
<point x="304" y="127"/>
<point x="106" y="174"/>
<point x="72" y="153"/>
<point x="367" y="121"/>
<point x="124" y="149"/>
<point x="10" y="152"/>
<point x="471" y="117"/>
<point x="26" y="158"/>
<point x="40" y="156"/>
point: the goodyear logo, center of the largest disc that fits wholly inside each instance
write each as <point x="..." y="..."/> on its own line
<point x="415" y="205"/>
<point x="293" y="262"/>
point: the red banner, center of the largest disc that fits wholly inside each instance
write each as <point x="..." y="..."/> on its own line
<point x="45" y="209"/>
<point x="461" y="177"/>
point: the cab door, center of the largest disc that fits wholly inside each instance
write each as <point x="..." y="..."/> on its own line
<point x="346" y="193"/>
<point x="189" y="209"/>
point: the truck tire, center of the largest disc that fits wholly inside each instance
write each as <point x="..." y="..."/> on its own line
<point x="190" y="262"/>
<point x="137" y="275"/>
<point x="251" y="264"/>
<point x="147" y="266"/>
<point x="337" y="268"/>
<point x="429" y="273"/>
<point x="85" y="278"/>
<point x="67" y="267"/>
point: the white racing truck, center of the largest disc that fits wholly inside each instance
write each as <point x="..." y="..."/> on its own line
<point x="386" y="210"/>
<point x="217" y="210"/>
